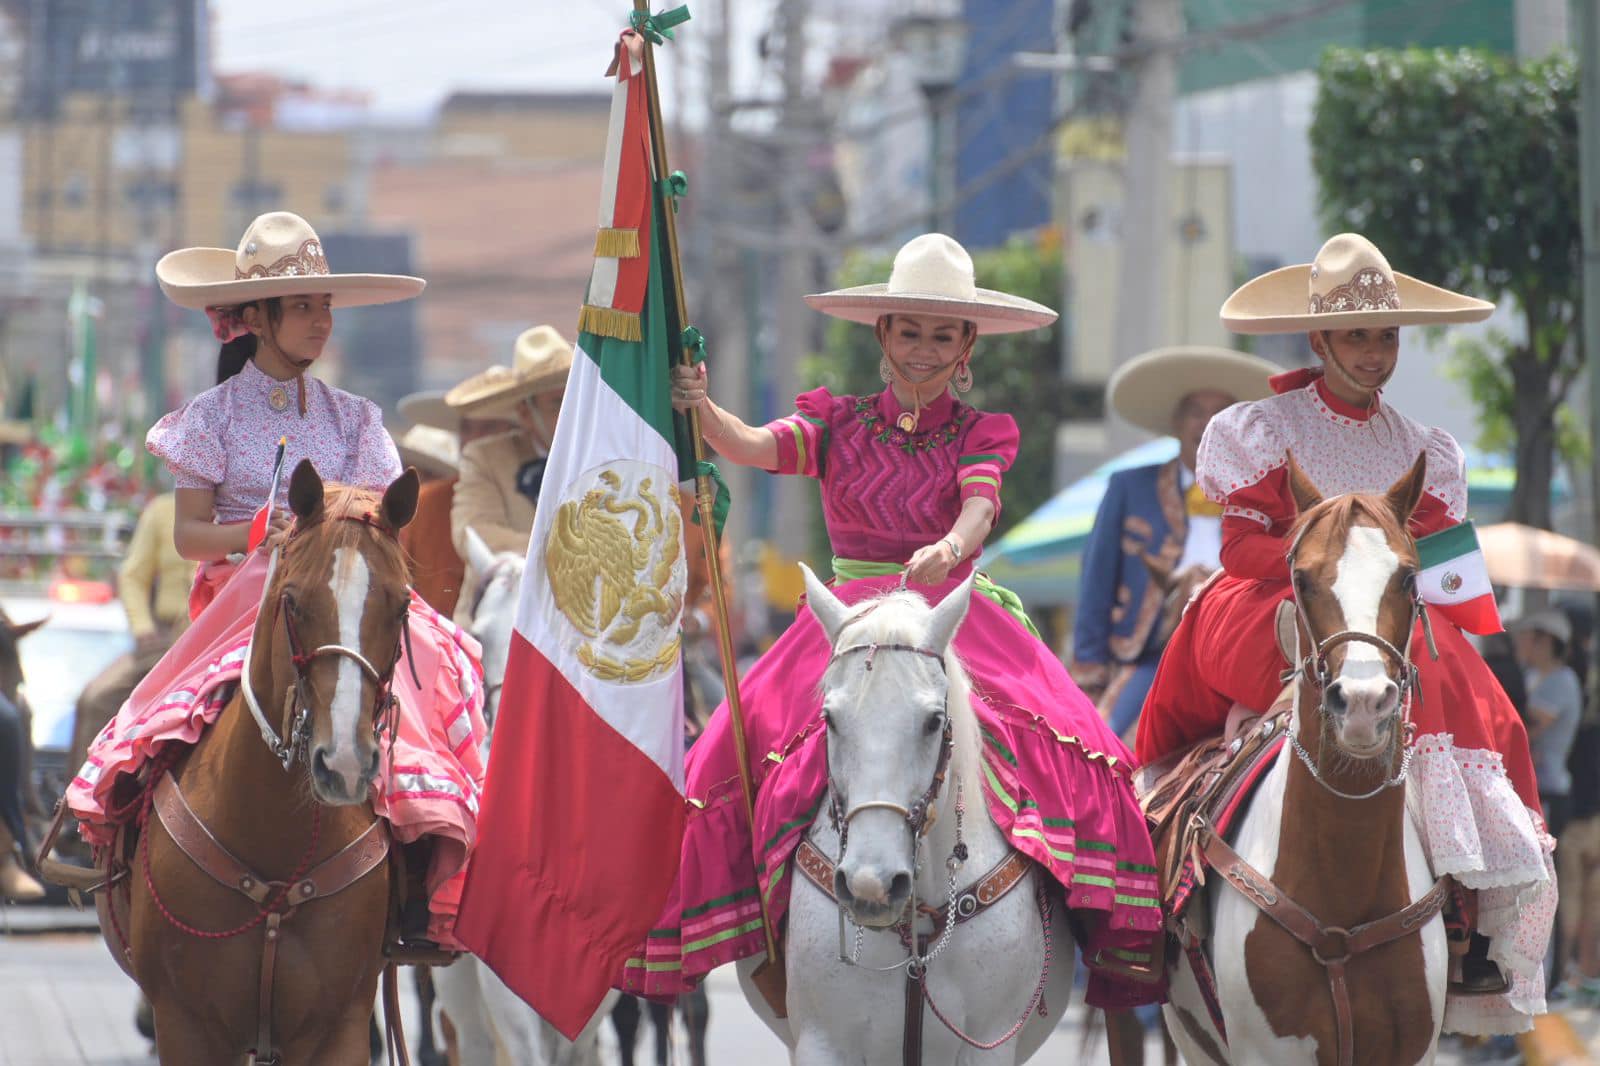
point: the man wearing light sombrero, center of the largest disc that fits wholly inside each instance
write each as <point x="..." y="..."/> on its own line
<point x="501" y="473"/>
<point x="1470" y="743"/>
<point x="911" y="484"/>
<point x="1154" y="522"/>
<point x="271" y="303"/>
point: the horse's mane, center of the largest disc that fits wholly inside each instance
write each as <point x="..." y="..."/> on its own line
<point x="1343" y="512"/>
<point x="901" y="617"/>
<point x="313" y="546"/>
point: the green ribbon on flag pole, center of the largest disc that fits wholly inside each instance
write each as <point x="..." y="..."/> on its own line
<point x="657" y="28"/>
<point x="694" y="342"/>
<point x="722" y="502"/>
<point x="673" y="186"/>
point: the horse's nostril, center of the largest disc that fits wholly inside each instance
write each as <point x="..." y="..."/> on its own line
<point x="1335" y="697"/>
<point x="841" y="886"/>
<point x="372" y="765"/>
<point x="319" y="763"/>
<point x="900" y="886"/>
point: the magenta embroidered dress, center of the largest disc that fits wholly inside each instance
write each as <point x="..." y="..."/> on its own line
<point x="225" y="440"/>
<point x="1057" y="779"/>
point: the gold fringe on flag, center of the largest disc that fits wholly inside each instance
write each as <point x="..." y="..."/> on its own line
<point x="609" y="322"/>
<point x="612" y="243"/>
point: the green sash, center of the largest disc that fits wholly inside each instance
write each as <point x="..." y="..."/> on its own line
<point x="1010" y="602"/>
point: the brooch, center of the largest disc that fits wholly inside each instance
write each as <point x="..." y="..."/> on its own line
<point x="278" y="399"/>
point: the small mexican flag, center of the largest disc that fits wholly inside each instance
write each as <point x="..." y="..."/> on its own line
<point x="261" y="522"/>
<point x="583" y="812"/>
<point x="1455" y="579"/>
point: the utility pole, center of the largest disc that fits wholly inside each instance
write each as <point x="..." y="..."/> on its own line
<point x="1587" y="27"/>
<point x="790" y="526"/>
<point x="1147" y="184"/>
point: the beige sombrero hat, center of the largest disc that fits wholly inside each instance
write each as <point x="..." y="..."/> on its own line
<point x="539" y="363"/>
<point x="1350" y="284"/>
<point x="431" y="450"/>
<point x="279" y="255"/>
<point x="1148" y="388"/>
<point x="933" y="275"/>
<point x="429" y="409"/>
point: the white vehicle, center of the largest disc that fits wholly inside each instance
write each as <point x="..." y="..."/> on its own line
<point x="62" y="656"/>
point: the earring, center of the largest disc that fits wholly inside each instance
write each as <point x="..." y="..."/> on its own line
<point x="963" y="378"/>
<point x="885" y="371"/>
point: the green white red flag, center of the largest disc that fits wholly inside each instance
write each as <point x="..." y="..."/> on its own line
<point x="1453" y="578"/>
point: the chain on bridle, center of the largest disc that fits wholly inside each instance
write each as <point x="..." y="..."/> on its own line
<point x="1316" y="670"/>
<point x="291" y="739"/>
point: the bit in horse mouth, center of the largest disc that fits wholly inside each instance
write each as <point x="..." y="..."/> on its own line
<point x="876" y="915"/>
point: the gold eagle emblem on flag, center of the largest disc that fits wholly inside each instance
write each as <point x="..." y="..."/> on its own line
<point x="614" y="560"/>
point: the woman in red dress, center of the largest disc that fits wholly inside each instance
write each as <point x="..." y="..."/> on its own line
<point x="1472" y="781"/>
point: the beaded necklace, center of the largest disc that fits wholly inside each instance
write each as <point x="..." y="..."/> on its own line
<point x="910" y="443"/>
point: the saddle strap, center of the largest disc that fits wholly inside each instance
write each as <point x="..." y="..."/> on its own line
<point x="1332" y="946"/>
<point x="990" y="889"/>
<point x="263" y="1052"/>
<point x="911" y="1040"/>
<point x="393" y="1028"/>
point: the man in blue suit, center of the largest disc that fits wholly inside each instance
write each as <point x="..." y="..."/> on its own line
<point x="1155" y="535"/>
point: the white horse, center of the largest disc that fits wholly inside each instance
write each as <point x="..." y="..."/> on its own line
<point x="493" y="1025"/>
<point x="1328" y="827"/>
<point x="903" y="739"/>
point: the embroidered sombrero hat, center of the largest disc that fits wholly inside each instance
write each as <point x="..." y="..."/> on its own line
<point x="279" y="255"/>
<point x="933" y="275"/>
<point x="1147" y="389"/>
<point x="431" y="450"/>
<point x="429" y="409"/>
<point x="1350" y="284"/>
<point x="539" y="363"/>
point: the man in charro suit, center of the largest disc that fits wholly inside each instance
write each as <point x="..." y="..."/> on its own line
<point x="1155" y="534"/>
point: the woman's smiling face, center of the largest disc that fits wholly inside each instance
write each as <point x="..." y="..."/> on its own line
<point x="925" y="347"/>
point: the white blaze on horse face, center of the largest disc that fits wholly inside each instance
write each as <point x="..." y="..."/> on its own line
<point x="351" y="582"/>
<point x="1361" y="579"/>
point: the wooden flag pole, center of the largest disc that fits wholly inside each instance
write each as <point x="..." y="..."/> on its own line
<point x="771" y="973"/>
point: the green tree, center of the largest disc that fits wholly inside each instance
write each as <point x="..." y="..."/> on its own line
<point x="1016" y="373"/>
<point x="1463" y="167"/>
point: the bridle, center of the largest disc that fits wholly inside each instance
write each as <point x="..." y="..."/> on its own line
<point x="1316" y="671"/>
<point x="290" y="741"/>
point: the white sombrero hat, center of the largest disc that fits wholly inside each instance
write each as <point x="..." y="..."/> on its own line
<point x="431" y="450"/>
<point x="933" y="275"/>
<point x="429" y="409"/>
<point x="1147" y="389"/>
<point x="539" y="363"/>
<point x="279" y="255"/>
<point x="1350" y="284"/>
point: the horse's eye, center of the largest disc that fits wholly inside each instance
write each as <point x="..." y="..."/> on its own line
<point x="1302" y="583"/>
<point x="934" y="723"/>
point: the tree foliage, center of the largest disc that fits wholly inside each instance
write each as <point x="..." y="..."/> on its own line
<point x="1015" y="373"/>
<point x="1463" y="167"/>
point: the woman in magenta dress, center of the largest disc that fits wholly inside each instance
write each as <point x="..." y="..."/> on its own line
<point x="271" y="304"/>
<point x="911" y="483"/>
<point x="1471" y="777"/>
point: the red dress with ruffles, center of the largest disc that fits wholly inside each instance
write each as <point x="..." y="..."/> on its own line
<point x="1057" y="780"/>
<point x="1472" y="774"/>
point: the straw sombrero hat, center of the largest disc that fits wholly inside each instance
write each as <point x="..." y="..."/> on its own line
<point x="1148" y="388"/>
<point x="1350" y="284"/>
<point x="431" y="450"/>
<point x="429" y="409"/>
<point x="279" y="255"/>
<point x="539" y="363"/>
<point x="933" y="275"/>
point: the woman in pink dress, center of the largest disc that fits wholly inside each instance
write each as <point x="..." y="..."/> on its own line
<point x="271" y="304"/>
<point x="911" y="483"/>
<point x="1471" y="778"/>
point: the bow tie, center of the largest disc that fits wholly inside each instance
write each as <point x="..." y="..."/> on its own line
<point x="1198" y="506"/>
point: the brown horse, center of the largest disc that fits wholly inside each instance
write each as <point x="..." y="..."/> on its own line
<point x="273" y="966"/>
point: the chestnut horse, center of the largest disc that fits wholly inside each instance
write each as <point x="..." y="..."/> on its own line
<point x="281" y="965"/>
<point x="1325" y="933"/>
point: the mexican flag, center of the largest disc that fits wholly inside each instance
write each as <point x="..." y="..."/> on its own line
<point x="261" y="521"/>
<point x="582" y="816"/>
<point x="1454" y="578"/>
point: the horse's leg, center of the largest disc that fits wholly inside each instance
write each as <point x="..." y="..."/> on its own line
<point x="661" y="1022"/>
<point x="346" y="1045"/>
<point x="183" y="1039"/>
<point x="697" y="1016"/>
<point x="427" y="1047"/>
<point x="1124" y="1038"/>
<point x="625" y="1020"/>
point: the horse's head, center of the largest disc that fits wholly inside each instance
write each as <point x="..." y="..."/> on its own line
<point x="895" y="702"/>
<point x="334" y="620"/>
<point x="1353" y="566"/>
<point x="494" y="613"/>
<point x="11" y="635"/>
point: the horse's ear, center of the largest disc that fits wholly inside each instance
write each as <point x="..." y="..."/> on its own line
<point x="1306" y="495"/>
<point x="305" y="491"/>
<point x="479" y="555"/>
<point x="829" y="611"/>
<point x="20" y="631"/>
<point x="400" y="499"/>
<point x="948" y="615"/>
<point x="1405" y="494"/>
